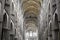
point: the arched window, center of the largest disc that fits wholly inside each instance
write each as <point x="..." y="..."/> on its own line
<point x="4" y="20"/>
<point x="56" y="22"/>
<point x="11" y="26"/>
<point x="4" y="26"/>
<point x="56" y="18"/>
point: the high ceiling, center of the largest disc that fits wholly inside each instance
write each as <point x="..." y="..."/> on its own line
<point x="31" y="6"/>
<point x="31" y="10"/>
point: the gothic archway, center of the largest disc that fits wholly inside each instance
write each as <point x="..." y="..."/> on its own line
<point x="55" y="27"/>
<point x="11" y="31"/>
<point x="56" y="22"/>
<point x="4" y="27"/>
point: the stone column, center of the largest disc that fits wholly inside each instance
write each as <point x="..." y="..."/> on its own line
<point x="7" y="35"/>
<point x="55" y="35"/>
<point x="39" y="36"/>
<point x="0" y="29"/>
<point x="24" y="30"/>
<point x="1" y="15"/>
<point x="49" y="32"/>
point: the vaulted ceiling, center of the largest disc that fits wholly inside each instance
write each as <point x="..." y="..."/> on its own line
<point x="31" y="6"/>
<point x="31" y="10"/>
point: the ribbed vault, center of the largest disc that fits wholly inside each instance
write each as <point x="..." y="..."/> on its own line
<point x="31" y="10"/>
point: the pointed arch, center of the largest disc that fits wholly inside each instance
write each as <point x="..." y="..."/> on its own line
<point x="5" y="19"/>
<point x="4" y="26"/>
